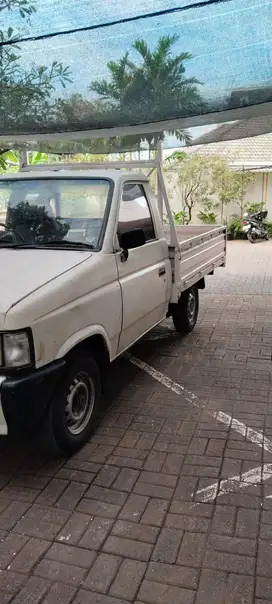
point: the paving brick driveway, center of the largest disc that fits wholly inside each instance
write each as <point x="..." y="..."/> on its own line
<point x="147" y="511"/>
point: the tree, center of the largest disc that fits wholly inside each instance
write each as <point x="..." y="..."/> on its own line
<point x="206" y="214"/>
<point x="153" y="89"/>
<point x="231" y="186"/>
<point x="193" y="180"/>
<point x="25" y="8"/>
<point x="207" y="182"/>
<point x="25" y="94"/>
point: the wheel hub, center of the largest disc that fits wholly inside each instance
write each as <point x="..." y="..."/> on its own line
<point x="79" y="404"/>
<point x="191" y="306"/>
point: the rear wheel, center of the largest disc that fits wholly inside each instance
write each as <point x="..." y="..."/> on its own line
<point x="185" y="312"/>
<point x="75" y="404"/>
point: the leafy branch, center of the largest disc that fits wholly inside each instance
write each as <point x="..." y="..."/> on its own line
<point x="25" y="9"/>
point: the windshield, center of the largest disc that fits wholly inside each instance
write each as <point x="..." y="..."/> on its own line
<point x="69" y="212"/>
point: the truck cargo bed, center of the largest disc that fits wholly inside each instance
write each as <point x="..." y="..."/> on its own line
<point x="202" y="248"/>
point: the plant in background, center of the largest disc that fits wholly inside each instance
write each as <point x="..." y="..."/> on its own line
<point x="207" y="217"/>
<point x="180" y="217"/>
<point x="235" y="227"/>
<point x="153" y="87"/>
<point x="269" y="227"/>
<point x="25" y="8"/>
<point x="251" y="208"/>
<point x="231" y="186"/>
<point x="175" y="156"/>
<point x="8" y="159"/>
<point x="25" y="94"/>
<point x="206" y="181"/>
<point x="192" y="176"/>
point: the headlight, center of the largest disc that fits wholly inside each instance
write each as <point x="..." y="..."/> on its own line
<point x="16" y="349"/>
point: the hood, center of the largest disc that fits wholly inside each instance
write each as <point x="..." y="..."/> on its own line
<point x="24" y="271"/>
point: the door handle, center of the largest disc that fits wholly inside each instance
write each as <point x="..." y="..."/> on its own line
<point x="162" y="271"/>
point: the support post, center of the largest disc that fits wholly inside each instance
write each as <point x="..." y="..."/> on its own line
<point x="23" y="160"/>
<point x="160" y="195"/>
<point x="173" y="233"/>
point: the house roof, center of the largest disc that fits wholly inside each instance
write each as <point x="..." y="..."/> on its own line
<point x="239" y="129"/>
<point x="250" y="152"/>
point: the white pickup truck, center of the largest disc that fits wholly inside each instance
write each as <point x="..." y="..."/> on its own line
<point x="86" y="270"/>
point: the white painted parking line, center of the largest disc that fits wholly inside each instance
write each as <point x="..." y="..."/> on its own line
<point x="221" y="487"/>
<point x="254" y="476"/>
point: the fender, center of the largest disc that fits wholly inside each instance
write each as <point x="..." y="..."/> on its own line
<point x="80" y="336"/>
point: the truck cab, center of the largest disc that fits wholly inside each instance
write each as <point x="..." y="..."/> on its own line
<point x="85" y="273"/>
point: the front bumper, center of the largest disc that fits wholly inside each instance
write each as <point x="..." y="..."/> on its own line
<point x="3" y="423"/>
<point x="24" y="399"/>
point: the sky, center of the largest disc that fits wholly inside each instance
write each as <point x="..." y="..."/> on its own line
<point x="231" y="42"/>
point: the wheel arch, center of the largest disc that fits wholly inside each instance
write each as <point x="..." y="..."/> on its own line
<point x="94" y="341"/>
<point x="201" y="284"/>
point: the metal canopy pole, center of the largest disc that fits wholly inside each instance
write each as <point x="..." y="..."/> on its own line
<point x="159" y="164"/>
<point x="173" y="233"/>
<point x="111" y="165"/>
<point x="23" y="160"/>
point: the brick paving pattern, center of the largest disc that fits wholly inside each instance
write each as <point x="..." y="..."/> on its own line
<point x="125" y="520"/>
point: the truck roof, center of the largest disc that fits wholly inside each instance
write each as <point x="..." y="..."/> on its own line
<point x="115" y="175"/>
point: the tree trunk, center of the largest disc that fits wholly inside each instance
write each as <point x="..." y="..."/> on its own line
<point x="222" y="212"/>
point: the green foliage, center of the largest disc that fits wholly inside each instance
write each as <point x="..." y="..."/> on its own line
<point x="207" y="217"/>
<point x="8" y="161"/>
<point x="176" y="156"/>
<point x="251" y="208"/>
<point x="25" y="94"/>
<point x="180" y="217"/>
<point x="208" y="182"/>
<point x="235" y="227"/>
<point x="152" y="88"/>
<point x="37" y="158"/>
<point x="25" y="8"/>
<point x="194" y="177"/>
<point x="269" y="226"/>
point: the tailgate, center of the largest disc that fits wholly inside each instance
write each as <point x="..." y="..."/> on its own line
<point x="202" y="249"/>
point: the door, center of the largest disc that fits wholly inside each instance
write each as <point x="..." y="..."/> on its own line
<point x="145" y="277"/>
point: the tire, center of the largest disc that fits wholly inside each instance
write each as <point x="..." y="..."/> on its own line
<point x="251" y="237"/>
<point x="185" y="313"/>
<point x="73" y="411"/>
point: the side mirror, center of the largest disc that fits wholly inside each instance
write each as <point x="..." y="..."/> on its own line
<point x="131" y="239"/>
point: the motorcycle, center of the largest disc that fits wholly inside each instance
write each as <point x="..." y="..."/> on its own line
<point x="254" y="226"/>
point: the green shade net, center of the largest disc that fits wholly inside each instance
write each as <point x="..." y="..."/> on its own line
<point x="103" y="76"/>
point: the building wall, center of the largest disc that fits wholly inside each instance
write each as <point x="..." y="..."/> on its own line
<point x="257" y="192"/>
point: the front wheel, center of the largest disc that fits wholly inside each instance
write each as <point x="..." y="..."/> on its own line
<point x="251" y="237"/>
<point x="75" y="404"/>
<point x="185" y="312"/>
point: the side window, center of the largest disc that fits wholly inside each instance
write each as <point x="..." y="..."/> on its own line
<point x="134" y="211"/>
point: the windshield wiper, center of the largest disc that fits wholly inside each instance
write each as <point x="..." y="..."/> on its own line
<point x="64" y="242"/>
<point x="41" y="244"/>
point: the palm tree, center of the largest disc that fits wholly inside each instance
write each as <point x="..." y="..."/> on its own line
<point x="153" y="89"/>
